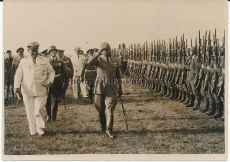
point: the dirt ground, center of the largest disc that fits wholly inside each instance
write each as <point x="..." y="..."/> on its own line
<point x="157" y="125"/>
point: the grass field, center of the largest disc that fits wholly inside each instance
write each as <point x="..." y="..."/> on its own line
<point x="157" y="125"/>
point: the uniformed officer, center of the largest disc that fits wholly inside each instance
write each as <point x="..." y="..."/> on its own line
<point x="35" y="74"/>
<point x="15" y="64"/>
<point x="55" y="89"/>
<point x="107" y="86"/>
<point x="89" y="73"/>
<point x="78" y="62"/>
<point x="8" y="82"/>
<point x="69" y="68"/>
<point x="6" y="76"/>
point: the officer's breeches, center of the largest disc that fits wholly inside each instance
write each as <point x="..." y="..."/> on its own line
<point x="105" y="104"/>
<point x="76" y="86"/>
<point x="35" y="108"/>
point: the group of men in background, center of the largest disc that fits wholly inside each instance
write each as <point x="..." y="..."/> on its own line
<point x="191" y="75"/>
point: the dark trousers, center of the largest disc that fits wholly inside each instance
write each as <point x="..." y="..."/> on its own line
<point x="52" y="102"/>
<point x="65" y="87"/>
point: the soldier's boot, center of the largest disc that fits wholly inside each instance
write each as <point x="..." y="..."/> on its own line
<point x="155" y="88"/>
<point x="175" y="94"/>
<point x="164" y="90"/>
<point x="171" y="92"/>
<point x="219" y="110"/>
<point x="196" y="103"/>
<point x="186" y="98"/>
<point x="179" y="95"/>
<point x="102" y="122"/>
<point x="167" y="91"/>
<point x="158" y="88"/>
<point x="212" y="108"/>
<point x="205" y="106"/>
<point x="222" y="118"/>
<point x="182" y="96"/>
<point x="109" y="126"/>
<point x="191" y="101"/>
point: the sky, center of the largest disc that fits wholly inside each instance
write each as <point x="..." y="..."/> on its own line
<point x="68" y="24"/>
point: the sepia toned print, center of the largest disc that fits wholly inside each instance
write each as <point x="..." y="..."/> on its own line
<point x="132" y="80"/>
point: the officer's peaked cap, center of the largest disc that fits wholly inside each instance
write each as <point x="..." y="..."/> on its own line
<point x="33" y="45"/>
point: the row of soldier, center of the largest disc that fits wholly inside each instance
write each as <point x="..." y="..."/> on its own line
<point x="191" y="75"/>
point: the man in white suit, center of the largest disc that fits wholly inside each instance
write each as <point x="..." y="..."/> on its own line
<point x="35" y="74"/>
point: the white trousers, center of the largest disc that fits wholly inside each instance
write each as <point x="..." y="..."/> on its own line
<point x="36" y="113"/>
<point x="84" y="89"/>
<point x="76" y="86"/>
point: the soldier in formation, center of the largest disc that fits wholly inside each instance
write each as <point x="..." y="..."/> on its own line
<point x="192" y="75"/>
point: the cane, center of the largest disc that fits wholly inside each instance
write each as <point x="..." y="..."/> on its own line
<point x="123" y="109"/>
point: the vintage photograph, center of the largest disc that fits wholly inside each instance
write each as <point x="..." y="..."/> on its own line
<point x="116" y="80"/>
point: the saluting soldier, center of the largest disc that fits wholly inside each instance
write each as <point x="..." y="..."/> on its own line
<point x="107" y="86"/>
<point x="15" y="64"/>
<point x="69" y="69"/>
<point x="34" y="74"/>
<point x="55" y="90"/>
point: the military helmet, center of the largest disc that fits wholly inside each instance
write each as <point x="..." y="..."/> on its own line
<point x="51" y="48"/>
<point x="222" y="50"/>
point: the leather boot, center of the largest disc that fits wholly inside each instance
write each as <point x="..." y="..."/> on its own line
<point x="182" y="96"/>
<point x="175" y="94"/>
<point x="205" y="105"/>
<point x="222" y="118"/>
<point x="155" y="87"/>
<point x="196" y="103"/>
<point x="164" y="90"/>
<point x="109" y="126"/>
<point x="179" y="95"/>
<point x="168" y="92"/>
<point x="212" y="109"/>
<point x="102" y="122"/>
<point x="186" y="99"/>
<point x="171" y="93"/>
<point x="219" y="110"/>
<point x="191" y="101"/>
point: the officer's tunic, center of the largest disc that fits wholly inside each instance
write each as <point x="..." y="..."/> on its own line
<point x="31" y="76"/>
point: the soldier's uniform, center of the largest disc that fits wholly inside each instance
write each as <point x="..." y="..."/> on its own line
<point x="55" y="90"/>
<point x="69" y="69"/>
<point x="6" y="76"/>
<point x="32" y="74"/>
<point x="107" y="86"/>
<point x="8" y="80"/>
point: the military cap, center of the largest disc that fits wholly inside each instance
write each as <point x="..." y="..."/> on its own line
<point x="8" y="51"/>
<point x="90" y="50"/>
<point x="77" y="49"/>
<point x="51" y="48"/>
<point x="20" y="49"/>
<point x="104" y="46"/>
<point x="33" y="45"/>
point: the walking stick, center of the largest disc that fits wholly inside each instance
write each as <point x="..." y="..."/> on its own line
<point x="124" y="112"/>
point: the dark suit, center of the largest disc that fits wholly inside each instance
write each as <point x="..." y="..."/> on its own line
<point x="55" y="89"/>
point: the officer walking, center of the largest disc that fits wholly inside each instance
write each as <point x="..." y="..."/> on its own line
<point x="15" y="64"/>
<point x="35" y="74"/>
<point x="55" y="89"/>
<point x="69" y="69"/>
<point x="107" y="86"/>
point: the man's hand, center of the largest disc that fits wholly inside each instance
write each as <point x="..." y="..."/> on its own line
<point x="16" y="90"/>
<point x="119" y="95"/>
<point x="57" y="75"/>
<point x="46" y="84"/>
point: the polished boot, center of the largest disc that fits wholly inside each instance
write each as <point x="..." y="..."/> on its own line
<point x="186" y="98"/>
<point x="171" y="92"/>
<point x="196" y="103"/>
<point x="164" y="90"/>
<point x="191" y="101"/>
<point x="175" y="94"/>
<point x="212" y="109"/>
<point x="182" y="96"/>
<point x="179" y="95"/>
<point x="168" y="92"/>
<point x="102" y="122"/>
<point x="219" y="110"/>
<point x="109" y="126"/>
<point x="205" y="105"/>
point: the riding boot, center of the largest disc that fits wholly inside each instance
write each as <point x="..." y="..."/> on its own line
<point x="191" y="101"/>
<point x="167" y="91"/>
<point x="205" y="106"/>
<point x="186" y="98"/>
<point x="179" y="95"/>
<point x="196" y="102"/>
<point x="175" y="93"/>
<point x="182" y="97"/>
<point x="171" y="93"/>
<point x="222" y="118"/>
<point x="102" y="122"/>
<point x="109" y="126"/>
<point x="219" y="110"/>
<point x="211" y="108"/>
<point x="164" y="90"/>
